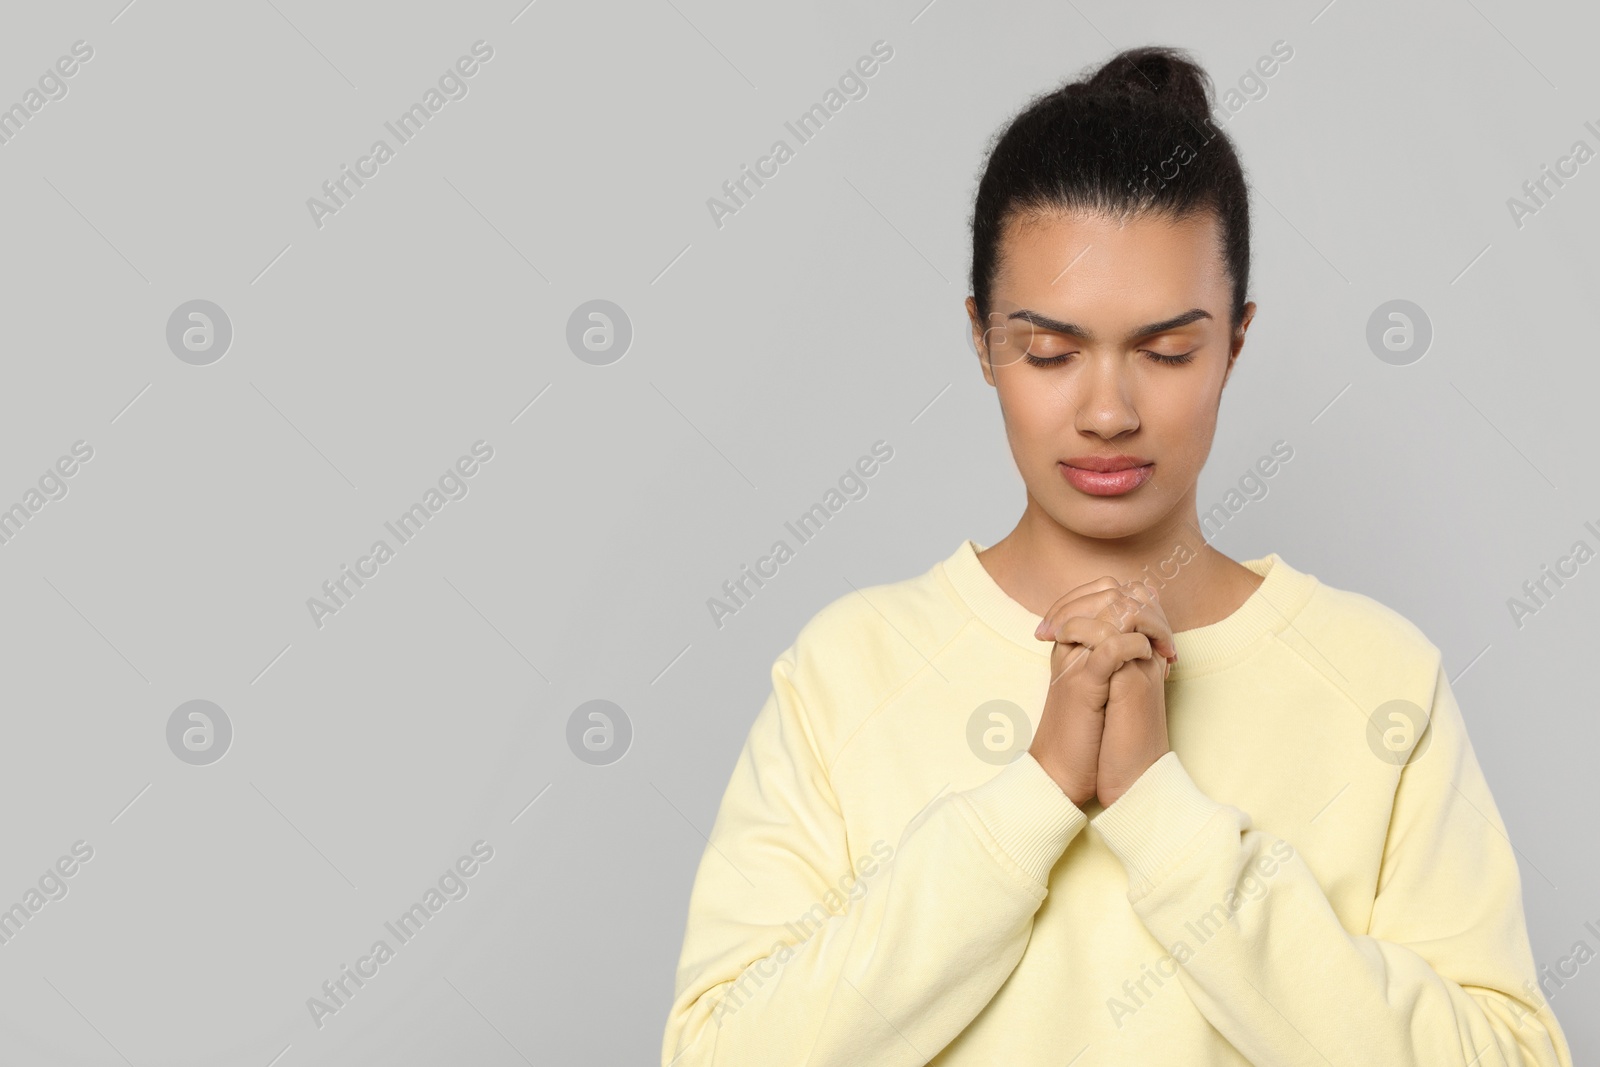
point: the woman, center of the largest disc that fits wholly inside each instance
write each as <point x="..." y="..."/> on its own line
<point x="1292" y="856"/>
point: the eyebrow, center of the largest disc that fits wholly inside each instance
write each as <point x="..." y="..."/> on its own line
<point x="1045" y="322"/>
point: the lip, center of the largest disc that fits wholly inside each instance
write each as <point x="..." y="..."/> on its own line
<point x="1107" y="475"/>
<point x="1118" y="462"/>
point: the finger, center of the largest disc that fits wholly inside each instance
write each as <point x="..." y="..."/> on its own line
<point x="1140" y="610"/>
<point x="1131" y="605"/>
<point x="1106" y="657"/>
<point x="1086" y="630"/>
<point x="1071" y="656"/>
<point x="1168" y="645"/>
<point x="1088" y="600"/>
<point x="1105" y="598"/>
<point x="1131" y="610"/>
<point x="1070" y="604"/>
<point x="1138" y="672"/>
<point x="1076" y="638"/>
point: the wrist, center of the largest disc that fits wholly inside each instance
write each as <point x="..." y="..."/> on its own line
<point x="1071" y="785"/>
<point x="1110" y="787"/>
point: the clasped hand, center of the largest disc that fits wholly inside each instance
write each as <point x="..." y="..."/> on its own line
<point x="1105" y="714"/>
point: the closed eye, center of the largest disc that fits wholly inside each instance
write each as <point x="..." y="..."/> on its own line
<point x="1055" y="361"/>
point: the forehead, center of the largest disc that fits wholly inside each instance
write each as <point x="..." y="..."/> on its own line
<point x="1147" y="260"/>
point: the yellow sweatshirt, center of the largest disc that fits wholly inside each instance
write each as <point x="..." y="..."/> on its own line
<point x="1308" y="877"/>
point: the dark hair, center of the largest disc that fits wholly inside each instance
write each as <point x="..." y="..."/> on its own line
<point x="1095" y="144"/>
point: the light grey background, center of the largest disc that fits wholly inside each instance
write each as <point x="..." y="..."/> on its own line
<point x="767" y="355"/>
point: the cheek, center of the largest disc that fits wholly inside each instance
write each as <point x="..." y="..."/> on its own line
<point x="1034" y="409"/>
<point x="1182" y="415"/>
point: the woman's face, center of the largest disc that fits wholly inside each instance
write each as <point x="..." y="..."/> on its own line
<point x="1133" y="319"/>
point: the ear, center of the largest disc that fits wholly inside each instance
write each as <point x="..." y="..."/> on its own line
<point x="978" y="340"/>
<point x="1237" y="344"/>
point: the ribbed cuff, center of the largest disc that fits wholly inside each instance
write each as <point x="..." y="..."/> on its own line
<point x="1151" y="825"/>
<point x="1028" y="815"/>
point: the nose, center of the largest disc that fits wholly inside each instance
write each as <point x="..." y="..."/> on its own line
<point x="1105" y="400"/>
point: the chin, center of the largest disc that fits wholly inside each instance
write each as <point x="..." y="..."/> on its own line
<point x="1108" y="525"/>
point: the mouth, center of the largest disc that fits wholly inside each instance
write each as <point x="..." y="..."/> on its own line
<point x="1126" y="475"/>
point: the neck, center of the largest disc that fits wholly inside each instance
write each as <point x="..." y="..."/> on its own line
<point x="1040" y="561"/>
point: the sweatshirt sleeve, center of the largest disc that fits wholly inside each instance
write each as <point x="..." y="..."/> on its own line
<point x="1442" y="975"/>
<point x="790" y="958"/>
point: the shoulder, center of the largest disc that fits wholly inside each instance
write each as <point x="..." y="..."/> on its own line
<point x="1356" y="639"/>
<point x="864" y="645"/>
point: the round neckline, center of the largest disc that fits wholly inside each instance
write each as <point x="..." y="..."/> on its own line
<point x="1280" y="596"/>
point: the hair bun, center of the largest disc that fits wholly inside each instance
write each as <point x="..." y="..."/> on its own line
<point x="1095" y="145"/>
<point x="1164" y="75"/>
